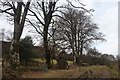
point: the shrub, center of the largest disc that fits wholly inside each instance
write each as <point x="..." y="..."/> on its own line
<point x="62" y="62"/>
<point x="26" y="45"/>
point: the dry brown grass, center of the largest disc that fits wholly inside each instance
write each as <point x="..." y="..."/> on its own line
<point x="73" y="72"/>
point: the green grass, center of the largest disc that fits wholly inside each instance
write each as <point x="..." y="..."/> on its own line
<point x="70" y="62"/>
<point x="54" y="61"/>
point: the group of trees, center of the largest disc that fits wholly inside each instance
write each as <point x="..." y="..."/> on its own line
<point x="62" y="26"/>
<point x="76" y="31"/>
<point x="94" y="57"/>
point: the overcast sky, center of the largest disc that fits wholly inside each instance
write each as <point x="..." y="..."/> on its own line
<point x="105" y="15"/>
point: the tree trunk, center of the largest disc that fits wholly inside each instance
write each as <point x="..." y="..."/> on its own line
<point x="47" y="19"/>
<point x="19" y="21"/>
<point x="81" y="53"/>
<point x="14" y="55"/>
<point x="48" y="62"/>
<point x="81" y="50"/>
<point x="74" y="56"/>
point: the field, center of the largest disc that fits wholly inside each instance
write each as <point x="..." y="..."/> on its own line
<point x="97" y="71"/>
<point x="54" y="61"/>
<point x="74" y="72"/>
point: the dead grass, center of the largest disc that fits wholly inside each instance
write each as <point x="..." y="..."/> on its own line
<point x="74" y="72"/>
<point x="100" y="71"/>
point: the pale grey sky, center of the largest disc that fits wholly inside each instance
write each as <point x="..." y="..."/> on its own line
<point x="105" y="15"/>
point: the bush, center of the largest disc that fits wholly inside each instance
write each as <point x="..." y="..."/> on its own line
<point x="62" y="62"/>
<point x="26" y="45"/>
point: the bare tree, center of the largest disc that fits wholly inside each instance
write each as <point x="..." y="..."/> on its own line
<point x="6" y="35"/>
<point x="44" y="13"/>
<point x="18" y="13"/>
<point x="2" y="34"/>
<point x="48" y="9"/>
<point x="77" y="30"/>
<point x="94" y="52"/>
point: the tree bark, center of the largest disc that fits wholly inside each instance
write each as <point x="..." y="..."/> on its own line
<point x="46" y="48"/>
<point x="19" y="20"/>
<point x="45" y="40"/>
<point x="14" y="54"/>
<point x="47" y="20"/>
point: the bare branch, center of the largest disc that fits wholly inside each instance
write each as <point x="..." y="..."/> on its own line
<point x="81" y="3"/>
<point x="35" y="15"/>
<point x="34" y="27"/>
<point x="43" y="8"/>
<point x="25" y="13"/>
<point x="6" y="11"/>
<point x="80" y="7"/>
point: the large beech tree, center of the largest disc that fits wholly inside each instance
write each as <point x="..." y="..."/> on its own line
<point x="44" y="11"/>
<point x="77" y="31"/>
<point x="17" y="12"/>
